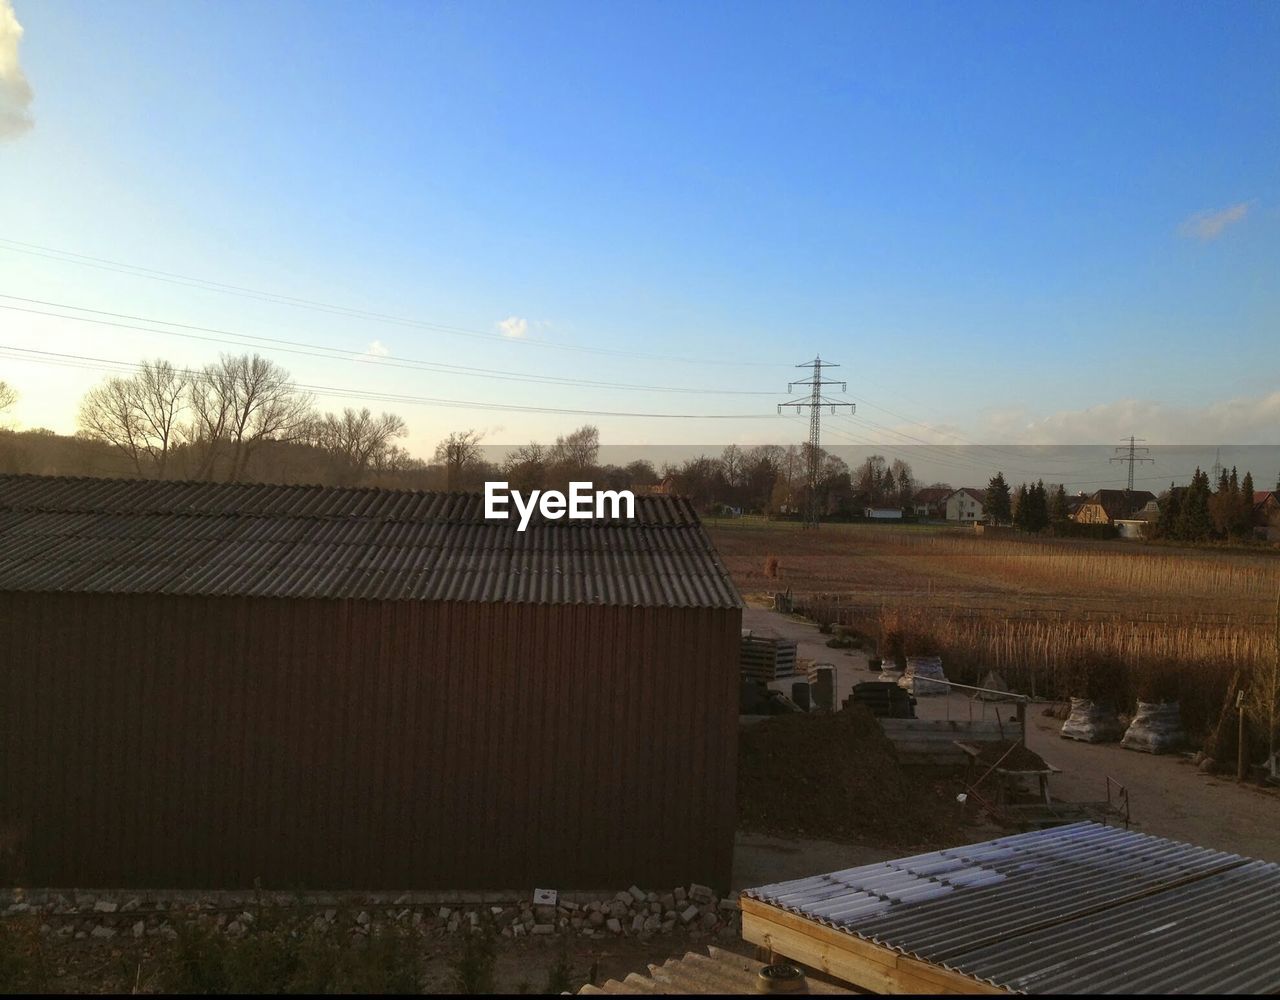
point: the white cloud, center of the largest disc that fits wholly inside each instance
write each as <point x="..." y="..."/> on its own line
<point x="1243" y="420"/>
<point x="15" y="92"/>
<point x="377" y="350"/>
<point x="514" y="326"/>
<point x="1206" y="226"/>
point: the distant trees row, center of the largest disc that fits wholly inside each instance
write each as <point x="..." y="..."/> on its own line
<point x="1198" y="513"/>
<point x="213" y="423"/>
<point x="1034" y="507"/>
<point x="1193" y="513"/>
<point x="244" y="418"/>
<point x="772" y="479"/>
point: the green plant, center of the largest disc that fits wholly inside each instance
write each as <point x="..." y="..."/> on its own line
<point x="277" y="958"/>
<point x="473" y="968"/>
<point x="24" y="965"/>
<point x="388" y="961"/>
<point x="560" y="977"/>
<point x="196" y="963"/>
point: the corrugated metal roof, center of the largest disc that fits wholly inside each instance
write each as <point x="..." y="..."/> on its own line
<point x="145" y="536"/>
<point x="1080" y="908"/>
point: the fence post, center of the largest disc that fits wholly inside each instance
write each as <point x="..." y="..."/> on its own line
<point x="1240" y="754"/>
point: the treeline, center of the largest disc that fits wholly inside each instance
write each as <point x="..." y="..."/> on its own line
<point x="244" y="419"/>
<point x="1194" y="513"/>
<point x="1199" y="513"/>
<point x="1032" y="507"/>
<point x="764" y="479"/>
<point x="241" y="419"/>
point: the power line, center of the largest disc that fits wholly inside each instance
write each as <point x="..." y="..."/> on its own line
<point x="110" y="365"/>
<point x="278" y="298"/>
<point x="970" y="464"/>
<point x="815" y="402"/>
<point x="127" y="321"/>
<point x="930" y="449"/>
<point x="343" y="392"/>
<point x="993" y="449"/>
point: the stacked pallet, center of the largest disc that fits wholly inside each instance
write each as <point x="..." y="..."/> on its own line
<point x="932" y="742"/>
<point x="766" y="656"/>
<point x="884" y="699"/>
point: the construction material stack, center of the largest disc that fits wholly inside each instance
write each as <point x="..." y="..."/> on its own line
<point x="766" y="656"/>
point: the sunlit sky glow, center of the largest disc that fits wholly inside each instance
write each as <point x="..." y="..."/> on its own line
<point x="1012" y="223"/>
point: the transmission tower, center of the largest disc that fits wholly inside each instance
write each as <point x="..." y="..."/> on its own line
<point x="815" y="401"/>
<point x="1129" y="453"/>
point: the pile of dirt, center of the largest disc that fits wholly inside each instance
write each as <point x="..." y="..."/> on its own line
<point x="837" y="777"/>
<point x="1010" y="756"/>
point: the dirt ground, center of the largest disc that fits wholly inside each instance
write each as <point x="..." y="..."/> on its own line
<point x="1169" y="796"/>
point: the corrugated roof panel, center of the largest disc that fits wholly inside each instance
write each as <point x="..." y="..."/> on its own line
<point x="140" y="536"/>
<point x="1081" y="908"/>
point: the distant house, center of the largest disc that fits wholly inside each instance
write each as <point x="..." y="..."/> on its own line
<point x="882" y="513"/>
<point x="931" y="502"/>
<point x="965" y="504"/>
<point x="1134" y="525"/>
<point x="1266" y="515"/>
<point x="666" y="488"/>
<point x="1108" y="506"/>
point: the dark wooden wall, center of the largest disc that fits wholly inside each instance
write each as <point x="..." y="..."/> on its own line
<point x="185" y="742"/>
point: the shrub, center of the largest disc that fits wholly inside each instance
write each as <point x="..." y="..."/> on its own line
<point x="560" y="977"/>
<point x="274" y="958"/>
<point x="473" y="968"/>
<point x="387" y="961"/>
<point x="24" y="966"/>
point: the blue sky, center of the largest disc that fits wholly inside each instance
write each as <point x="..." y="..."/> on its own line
<point x="1011" y="222"/>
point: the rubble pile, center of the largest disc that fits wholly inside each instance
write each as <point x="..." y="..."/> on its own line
<point x="695" y="911"/>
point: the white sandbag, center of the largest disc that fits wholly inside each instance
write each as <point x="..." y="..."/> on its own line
<point x="992" y="682"/>
<point x="923" y="676"/>
<point x="1156" y="728"/>
<point x="1091" y="722"/>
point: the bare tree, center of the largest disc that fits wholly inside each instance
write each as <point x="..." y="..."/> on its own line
<point x="456" y="452"/>
<point x="526" y="467"/>
<point x="732" y="465"/>
<point x="8" y="396"/>
<point x="577" y="451"/>
<point x="358" y="440"/>
<point x="138" y="415"/>
<point x="240" y="402"/>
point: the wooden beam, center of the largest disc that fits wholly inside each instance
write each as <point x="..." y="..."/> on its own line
<point x="847" y="957"/>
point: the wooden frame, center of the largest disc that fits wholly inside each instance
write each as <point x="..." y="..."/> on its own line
<point x="846" y="957"/>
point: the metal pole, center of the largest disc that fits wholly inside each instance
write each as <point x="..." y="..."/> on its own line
<point x="1240" y="758"/>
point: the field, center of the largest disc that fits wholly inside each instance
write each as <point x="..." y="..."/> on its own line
<point x="1115" y="620"/>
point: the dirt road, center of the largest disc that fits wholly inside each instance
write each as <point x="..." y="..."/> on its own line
<point x="1169" y="796"/>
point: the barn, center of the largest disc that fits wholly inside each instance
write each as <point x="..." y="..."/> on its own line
<point x="211" y="685"/>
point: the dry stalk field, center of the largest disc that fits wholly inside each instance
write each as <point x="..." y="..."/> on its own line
<point x="1060" y="617"/>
